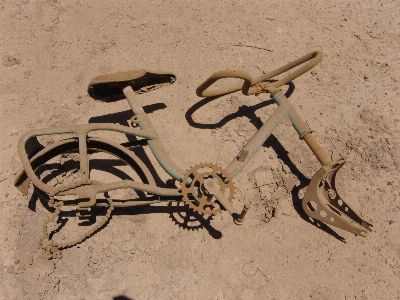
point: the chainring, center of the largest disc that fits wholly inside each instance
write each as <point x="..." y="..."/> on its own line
<point x="201" y="202"/>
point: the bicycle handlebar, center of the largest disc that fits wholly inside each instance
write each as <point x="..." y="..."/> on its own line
<point x="248" y="87"/>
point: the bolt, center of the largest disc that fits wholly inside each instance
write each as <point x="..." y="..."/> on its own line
<point x="240" y="219"/>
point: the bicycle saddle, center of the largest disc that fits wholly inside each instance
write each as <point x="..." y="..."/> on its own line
<point x="108" y="87"/>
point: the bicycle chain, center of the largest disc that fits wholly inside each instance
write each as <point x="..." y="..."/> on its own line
<point x="53" y="249"/>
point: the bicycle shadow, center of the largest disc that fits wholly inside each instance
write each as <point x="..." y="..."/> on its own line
<point x="271" y="142"/>
<point x="180" y="214"/>
<point x="134" y="144"/>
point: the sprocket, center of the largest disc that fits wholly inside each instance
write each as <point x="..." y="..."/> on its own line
<point x="194" y="194"/>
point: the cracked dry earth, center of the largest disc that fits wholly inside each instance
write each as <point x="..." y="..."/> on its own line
<point x="50" y="50"/>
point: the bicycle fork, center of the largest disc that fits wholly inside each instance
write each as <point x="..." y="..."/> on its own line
<point x="321" y="201"/>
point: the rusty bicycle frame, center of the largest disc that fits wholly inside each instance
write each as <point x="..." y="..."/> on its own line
<point x="321" y="201"/>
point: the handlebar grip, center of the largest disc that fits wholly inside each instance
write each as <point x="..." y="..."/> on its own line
<point x="315" y="58"/>
<point x="248" y="87"/>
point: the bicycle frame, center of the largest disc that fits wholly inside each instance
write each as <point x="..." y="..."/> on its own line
<point x="147" y="131"/>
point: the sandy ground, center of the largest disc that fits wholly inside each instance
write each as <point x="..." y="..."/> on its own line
<point x="50" y="50"/>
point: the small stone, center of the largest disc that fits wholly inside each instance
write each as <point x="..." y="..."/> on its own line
<point x="6" y="195"/>
<point x="8" y="61"/>
<point x="27" y="74"/>
<point x="14" y="132"/>
<point x="289" y="182"/>
<point x="286" y="169"/>
<point x="365" y="77"/>
<point x="278" y="212"/>
<point x="79" y="101"/>
<point x="301" y="193"/>
<point x="233" y="98"/>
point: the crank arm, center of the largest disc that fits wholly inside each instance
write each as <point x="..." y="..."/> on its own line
<point x="213" y="188"/>
<point x="323" y="202"/>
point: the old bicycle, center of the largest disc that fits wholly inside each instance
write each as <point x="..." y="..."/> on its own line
<point x="206" y="188"/>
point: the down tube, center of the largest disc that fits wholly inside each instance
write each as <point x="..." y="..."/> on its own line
<point x="257" y="140"/>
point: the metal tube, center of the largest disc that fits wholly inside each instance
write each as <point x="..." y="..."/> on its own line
<point x="83" y="157"/>
<point x="133" y="100"/>
<point x="257" y="140"/>
<point x="93" y="190"/>
<point x="303" y="129"/>
<point x="165" y="161"/>
<point x="155" y="144"/>
<point x="317" y="150"/>
<point x="298" y="123"/>
<point x="240" y="219"/>
<point x="249" y="88"/>
<point x="86" y="128"/>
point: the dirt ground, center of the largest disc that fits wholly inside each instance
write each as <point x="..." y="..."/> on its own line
<point x="49" y="52"/>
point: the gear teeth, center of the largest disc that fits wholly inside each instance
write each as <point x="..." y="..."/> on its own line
<point x="215" y="169"/>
